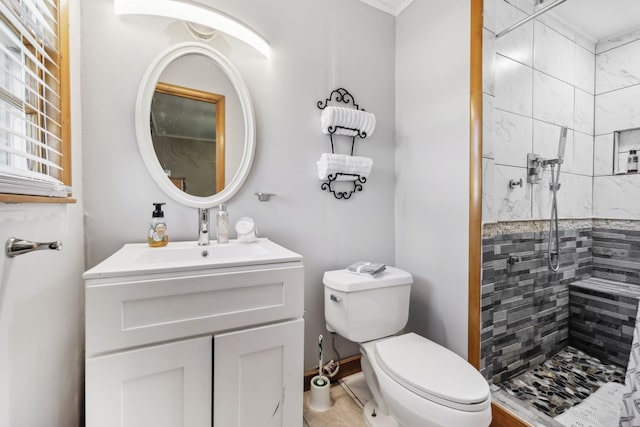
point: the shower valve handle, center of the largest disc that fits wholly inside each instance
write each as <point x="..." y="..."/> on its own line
<point x="515" y="183"/>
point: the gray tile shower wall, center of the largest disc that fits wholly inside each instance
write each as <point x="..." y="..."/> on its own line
<point x="616" y="255"/>
<point x="525" y="306"/>
<point x="602" y="318"/>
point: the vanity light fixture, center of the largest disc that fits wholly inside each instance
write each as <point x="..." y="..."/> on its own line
<point x="200" y="32"/>
<point x="199" y="14"/>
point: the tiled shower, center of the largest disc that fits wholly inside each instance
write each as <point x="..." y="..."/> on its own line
<point x="551" y="339"/>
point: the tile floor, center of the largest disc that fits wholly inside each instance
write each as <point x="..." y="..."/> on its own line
<point x="348" y="397"/>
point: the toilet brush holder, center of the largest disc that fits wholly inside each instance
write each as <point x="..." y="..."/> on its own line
<point x="320" y="399"/>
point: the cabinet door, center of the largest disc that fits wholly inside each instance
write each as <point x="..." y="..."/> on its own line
<point x="161" y="386"/>
<point x="257" y="376"/>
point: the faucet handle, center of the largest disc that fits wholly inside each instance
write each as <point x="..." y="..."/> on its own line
<point x="203" y="214"/>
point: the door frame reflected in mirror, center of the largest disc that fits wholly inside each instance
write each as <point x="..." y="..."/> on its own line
<point x="219" y="140"/>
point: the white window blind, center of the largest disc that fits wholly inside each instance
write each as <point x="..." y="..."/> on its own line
<point x="30" y="99"/>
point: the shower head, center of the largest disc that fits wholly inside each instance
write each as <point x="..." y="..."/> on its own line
<point x="563" y="142"/>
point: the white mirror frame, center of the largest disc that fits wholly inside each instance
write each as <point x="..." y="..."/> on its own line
<point x="143" y="131"/>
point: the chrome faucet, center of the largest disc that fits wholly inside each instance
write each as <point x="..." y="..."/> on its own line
<point x="203" y="226"/>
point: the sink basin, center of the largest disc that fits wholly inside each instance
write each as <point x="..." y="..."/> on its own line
<point x="139" y="258"/>
<point x="186" y="252"/>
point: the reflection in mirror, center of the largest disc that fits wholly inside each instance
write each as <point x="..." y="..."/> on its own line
<point x="190" y="85"/>
<point x="187" y="130"/>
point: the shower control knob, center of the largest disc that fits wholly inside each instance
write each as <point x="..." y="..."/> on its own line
<point x="515" y="183"/>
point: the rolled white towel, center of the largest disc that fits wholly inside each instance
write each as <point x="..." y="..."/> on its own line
<point x="336" y="116"/>
<point x="341" y="163"/>
<point x="347" y="118"/>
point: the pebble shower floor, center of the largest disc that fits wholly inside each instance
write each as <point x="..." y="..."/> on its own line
<point x="562" y="381"/>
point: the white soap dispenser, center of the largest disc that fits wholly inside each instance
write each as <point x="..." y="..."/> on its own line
<point x="222" y="224"/>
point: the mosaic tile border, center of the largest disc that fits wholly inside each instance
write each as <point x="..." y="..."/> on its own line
<point x="619" y="224"/>
<point x="508" y="227"/>
<point x="533" y="226"/>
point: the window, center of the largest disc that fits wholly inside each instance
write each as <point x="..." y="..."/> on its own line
<point x="34" y="99"/>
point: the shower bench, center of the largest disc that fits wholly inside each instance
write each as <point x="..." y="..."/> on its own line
<point x="602" y="318"/>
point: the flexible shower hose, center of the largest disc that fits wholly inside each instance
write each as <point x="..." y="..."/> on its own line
<point x="554" y="219"/>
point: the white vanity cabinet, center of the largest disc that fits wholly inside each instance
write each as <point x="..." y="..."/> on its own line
<point x="212" y="340"/>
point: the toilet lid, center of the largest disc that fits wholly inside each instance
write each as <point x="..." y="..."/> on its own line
<point x="429" y="369"/>
<point x="346" y="281"/>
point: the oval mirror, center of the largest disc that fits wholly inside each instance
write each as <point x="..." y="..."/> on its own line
<point x="195" y="125"/>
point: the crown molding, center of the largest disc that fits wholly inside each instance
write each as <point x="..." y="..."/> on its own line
<point x="392" y="7"/>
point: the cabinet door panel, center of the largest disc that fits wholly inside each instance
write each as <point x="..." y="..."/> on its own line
<point x="257" y="376"/>
<point x="166" y="385"/>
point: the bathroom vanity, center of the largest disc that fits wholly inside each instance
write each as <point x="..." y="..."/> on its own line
<point x="190" y="335"/>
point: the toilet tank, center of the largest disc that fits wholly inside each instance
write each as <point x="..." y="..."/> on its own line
<point x="361" y="308"/>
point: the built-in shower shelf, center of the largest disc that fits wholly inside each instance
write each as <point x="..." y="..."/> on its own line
<point x="624" y="142"/>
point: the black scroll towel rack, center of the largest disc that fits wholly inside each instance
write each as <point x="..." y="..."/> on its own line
<point x="343" y="96"/>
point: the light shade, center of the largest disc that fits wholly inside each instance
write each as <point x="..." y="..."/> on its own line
<point x="195" y="13"/>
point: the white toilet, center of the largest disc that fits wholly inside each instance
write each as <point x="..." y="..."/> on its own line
<point x="415" y="382"/>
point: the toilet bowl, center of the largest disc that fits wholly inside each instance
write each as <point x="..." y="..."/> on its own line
<point x="423" y="384"/>
<point x="414" y="381"/>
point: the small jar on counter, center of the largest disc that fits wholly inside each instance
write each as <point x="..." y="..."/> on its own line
<point x="246" y="230"/>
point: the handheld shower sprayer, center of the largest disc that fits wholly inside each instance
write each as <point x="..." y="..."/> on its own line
<point x="555" y="185"/>
<point x="562" y="143"/>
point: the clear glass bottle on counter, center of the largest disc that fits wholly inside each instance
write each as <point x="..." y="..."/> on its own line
<point x="222" y="224"/>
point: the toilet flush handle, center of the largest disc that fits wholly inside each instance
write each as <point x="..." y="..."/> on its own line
<point x="335" y="298"/>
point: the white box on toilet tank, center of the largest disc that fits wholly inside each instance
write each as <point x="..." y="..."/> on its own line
<point x="362" y="308"/>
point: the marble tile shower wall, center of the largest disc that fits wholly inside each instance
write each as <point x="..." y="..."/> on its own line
<point x="617" y="107"/>
<point x="536" y="79"/>
<point x="525" y="311"/>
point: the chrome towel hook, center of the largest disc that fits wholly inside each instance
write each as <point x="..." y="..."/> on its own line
<point x="17" y="246"/>
<point x="264" y="197"/>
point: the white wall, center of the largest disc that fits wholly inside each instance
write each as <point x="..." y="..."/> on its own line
<point x="317" y="46"/>
<point x="537" y="78"/>
<point x="432" y="165"/>
<point x="42" y="298"/>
